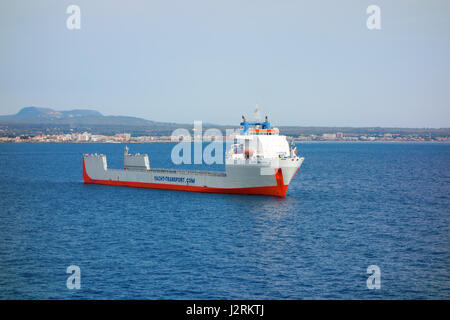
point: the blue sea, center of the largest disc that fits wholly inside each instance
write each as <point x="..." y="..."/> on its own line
<point x="351" y="205"/>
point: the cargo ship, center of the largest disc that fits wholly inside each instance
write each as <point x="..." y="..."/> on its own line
<point x="260" y="161"/>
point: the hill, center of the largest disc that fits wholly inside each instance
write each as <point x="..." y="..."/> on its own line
<point x="35" y="120"/>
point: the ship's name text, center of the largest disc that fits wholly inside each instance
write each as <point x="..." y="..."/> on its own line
<point x="174" y="179"/>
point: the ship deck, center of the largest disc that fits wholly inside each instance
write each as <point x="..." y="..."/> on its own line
<point x="181" y="172"/>
<point x="196" y="172"/>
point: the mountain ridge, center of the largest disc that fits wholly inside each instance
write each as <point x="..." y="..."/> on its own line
<point x="37" y="120"/>
<point x="34" y="114"/>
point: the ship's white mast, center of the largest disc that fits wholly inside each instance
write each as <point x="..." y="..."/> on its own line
<point x="257" y="114"/>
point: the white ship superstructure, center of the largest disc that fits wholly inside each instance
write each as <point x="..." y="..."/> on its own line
<point x="260" y="161"/>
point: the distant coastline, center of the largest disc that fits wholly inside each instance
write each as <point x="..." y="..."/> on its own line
<point x="35" y="124"/>
<point x="86" y="137"/>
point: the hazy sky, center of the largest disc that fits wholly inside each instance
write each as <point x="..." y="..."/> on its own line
<point x="309" y="63"/>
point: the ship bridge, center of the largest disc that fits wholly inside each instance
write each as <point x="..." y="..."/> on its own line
<point x="257" y="128"/>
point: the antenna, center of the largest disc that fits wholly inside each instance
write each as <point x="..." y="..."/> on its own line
<point x="257" y="114"/>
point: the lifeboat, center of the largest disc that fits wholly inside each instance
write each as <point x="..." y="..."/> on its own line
<point x="248" y="152"/>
